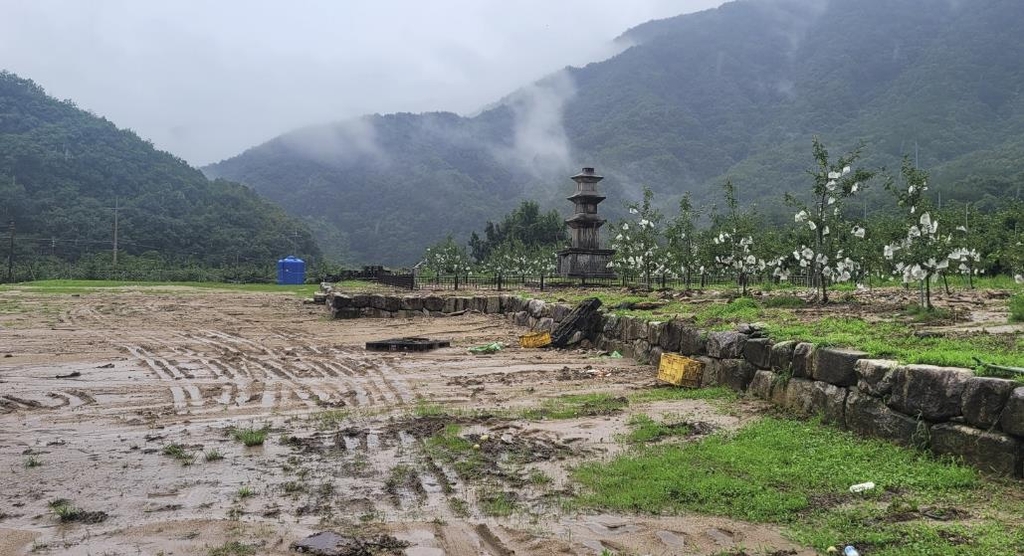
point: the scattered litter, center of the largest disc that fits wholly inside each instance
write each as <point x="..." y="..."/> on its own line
<point x="615" y="355"/>
<point x="492" y="347"/>
<point x="74" y="374"/>
<point x="861" y="487"/>
<point x="850" y="551"/>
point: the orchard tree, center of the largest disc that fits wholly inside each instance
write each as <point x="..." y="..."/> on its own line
<point x="682" y="241"/>
<point x="833" y="183"/>
<point x="447" y="257"/>
<point x="733" y="240"/>
<point x="922" y="254"/>
<point x="637" y="250"/>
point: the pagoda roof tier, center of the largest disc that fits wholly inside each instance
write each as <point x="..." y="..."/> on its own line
<point x="592" y="196"/>
<point x="584" y="176"/>
<point x="581" y="219"/>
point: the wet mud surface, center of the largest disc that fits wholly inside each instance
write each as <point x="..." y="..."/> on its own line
<point x="126" y="403"/>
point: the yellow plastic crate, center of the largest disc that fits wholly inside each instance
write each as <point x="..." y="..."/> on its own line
<point x="680" y="371"/>
<point x="535" y="340"/>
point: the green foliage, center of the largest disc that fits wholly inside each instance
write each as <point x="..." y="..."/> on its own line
<point x="672" y="393"/>
<point x="1017" y="308"/>
<point x="637" y="241"/>
<point x="525" y="226"/>
<point x="447" y="257"/>
<point x="646" y="430"/>
<point x="63" y="171"/>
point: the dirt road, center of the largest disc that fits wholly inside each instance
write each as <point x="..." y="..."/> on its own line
<point x="125" y="403"/>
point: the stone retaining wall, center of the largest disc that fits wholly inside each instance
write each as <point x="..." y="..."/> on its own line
<point x="947" y="410"/>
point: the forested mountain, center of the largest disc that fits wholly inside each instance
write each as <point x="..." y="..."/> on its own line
<point x="734" y="93"/>
<point x="63" y="171"/>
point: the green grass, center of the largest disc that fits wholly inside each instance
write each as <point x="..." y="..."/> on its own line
<point x="65" y="510"/>
<point x="448" y="446"/>
<point x="666" y="393"/>
<point x="32" y="461"/>
<point x="250" y="436"/>
<point x="796" y="474"/>
<point x="645" y="430"/>
<point x="245" y="492"/>
<point x="330" y="418"/>
<point x="1017" y="308"/>
<point x="178" y="452"/>
<point x="90" y="286"/>
<point x="233" y="548"/>
<point x="897" y="341"/>
<point x="498" y="504"/>
<point x="213" y="454"/>
<point x="576" y="405"/>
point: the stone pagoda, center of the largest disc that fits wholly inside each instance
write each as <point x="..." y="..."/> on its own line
<point x="584" y="258"/>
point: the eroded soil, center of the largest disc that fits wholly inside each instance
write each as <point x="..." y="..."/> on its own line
<point x="352" y="436"/>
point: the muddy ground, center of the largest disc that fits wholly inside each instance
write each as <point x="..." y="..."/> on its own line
<point x="113" y="400"/>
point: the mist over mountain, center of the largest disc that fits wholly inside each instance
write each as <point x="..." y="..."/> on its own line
<point x="734" y="93"/>
<point x="63" y="171"/>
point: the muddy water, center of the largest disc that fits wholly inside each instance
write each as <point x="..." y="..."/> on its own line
<point x="143" y="370"/>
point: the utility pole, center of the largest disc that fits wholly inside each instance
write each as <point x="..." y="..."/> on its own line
<point x="10" y="256"/>
<point x="116" y="208"/>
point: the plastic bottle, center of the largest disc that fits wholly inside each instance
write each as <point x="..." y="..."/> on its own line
<point x="850" y="551"/>
<point x="861" y="487"/>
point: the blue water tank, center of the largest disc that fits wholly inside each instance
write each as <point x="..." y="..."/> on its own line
<point x="291" y="270"/>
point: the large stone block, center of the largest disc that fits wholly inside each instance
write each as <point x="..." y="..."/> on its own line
<point x="761" y="385"/>
<point x="346" y="313"/>
<point x="1012" y="420"/>
<point x="874" y="376"/>
<point x="991" y="452"/>
<point x="803" y="360"/>
<point x="736" y="373"/>
<point x="559" y="311"/>
<point x="799" y="395"/>
<point x="494" y="304"/>
<point x="433" y="303"/>
<point x="545" y="324"/>
<point x="758" y="352"/>
<point x="984" y="399"/>
<point x="451" y="305"/>
<point x="633" y="329"/>
<point x="642" y="351"/>
<point x="934" y="393"/>
<point x="726" y="344"/>
<point x="654" y="330"/>
<point x="868" y="416"/>
<point x="711" y="373"/>
<point x="692" y="341"/>
<point x="360" y="300"/>
<point x="781" y="357"/>
<point x="836" y="365"/>
<point x="412" y="303"/>
<point x="522" y="318"/>
<point x="670" y="335"/>
<point x="830" y="401"/>
<point x="610" y="325"/>
<point x="536" y="307"/>
<point x="339" y="301"/>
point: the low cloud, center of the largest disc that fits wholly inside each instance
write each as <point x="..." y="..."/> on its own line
<point x="540" y="143"/>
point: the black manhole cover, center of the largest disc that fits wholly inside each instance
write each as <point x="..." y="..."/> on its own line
<point x="407" y="344"/>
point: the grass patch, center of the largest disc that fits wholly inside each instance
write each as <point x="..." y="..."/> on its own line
<point x="32" y="461"/>
<point x="1017" y="308"/>
<point x="213" y="454"/>
<point x="917" y="313"/>
<point x="796" y="474"/>
<point x="459" y="507"/>
<point x="68" y="512"/>
<point x="448" y="446"/>
<point x="498" y="504"/>
<point x="666" y="393"/>
<point x="536" y="477"/>
<point x="250" y="436"/>
<point x="783" y="302"/>
<point x="233" y="548"/>
<point x="741" y="309"/>
<point x="646" y="430"/>
<point x="245" y="492"/>
<point x="178" y="452"/>
<point x="331" y="418"/>
<point x="897" y="341"/>
<point x="576" y="405"/>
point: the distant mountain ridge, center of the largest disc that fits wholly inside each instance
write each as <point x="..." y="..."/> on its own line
<point x="735" y="93"/>
<point x="63" y="171"/>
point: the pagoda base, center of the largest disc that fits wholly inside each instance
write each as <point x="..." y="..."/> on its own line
<point x="576" y="262"/>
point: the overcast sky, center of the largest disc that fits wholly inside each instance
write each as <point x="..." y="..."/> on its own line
<point x="207" y="79"/>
